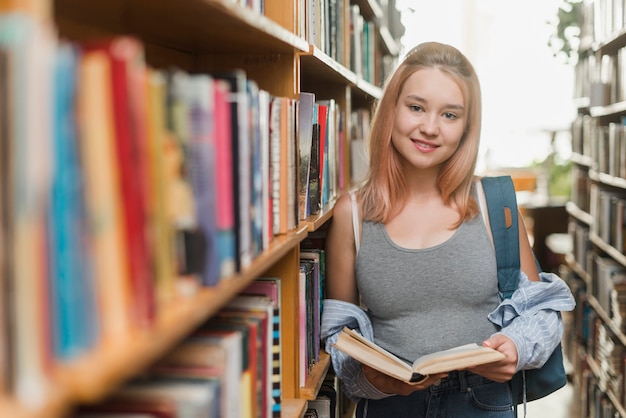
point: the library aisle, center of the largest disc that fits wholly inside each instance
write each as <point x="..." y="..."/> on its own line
<point x="560" y="404"/>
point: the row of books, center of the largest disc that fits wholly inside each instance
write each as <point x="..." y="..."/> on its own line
<point x="581" y="244"/>
<point x="604" y="368"/>
<point x="607" y="17"/>
<point x="594" y="352"/>
<point x="320" y="149"/>
<point x="600" y="78"/>
<point x="608" y="211"/>
<point x="603" y="145"/>
<point x="343" y="32"/>
<point x="229" y="367"/>
<point x="581" y="185"/>
<point x="311" y="292"/>
<point x="125" y="186"/>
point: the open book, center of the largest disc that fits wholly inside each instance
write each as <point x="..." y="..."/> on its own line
<point x="370" y="354"/>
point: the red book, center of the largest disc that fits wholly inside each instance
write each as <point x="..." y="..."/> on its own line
<point x="224" y="180"/>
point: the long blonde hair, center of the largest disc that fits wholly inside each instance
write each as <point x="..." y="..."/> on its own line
<point x="384" y="190"/>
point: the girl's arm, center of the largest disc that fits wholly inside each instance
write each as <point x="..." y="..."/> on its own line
<point x="341" y="254"/>
<point x="527" y="258"/>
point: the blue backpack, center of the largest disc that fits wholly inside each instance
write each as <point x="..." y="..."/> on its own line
<point x="526" y="385"/>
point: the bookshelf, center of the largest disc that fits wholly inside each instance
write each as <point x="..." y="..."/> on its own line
<point x="269" y="41"/>
<point x="596" y="212"/>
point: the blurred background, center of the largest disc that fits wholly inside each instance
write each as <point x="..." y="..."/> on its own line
<point x="528" y="102"/>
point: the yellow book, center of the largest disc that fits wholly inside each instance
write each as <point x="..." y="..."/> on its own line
<point x="160" y="225"/>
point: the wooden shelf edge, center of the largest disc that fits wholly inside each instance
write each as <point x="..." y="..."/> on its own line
<point x="264" y="24"/>
<point x="314" y="222"/>
<point x="315" y="378"/>
<point x="292" y="408"/>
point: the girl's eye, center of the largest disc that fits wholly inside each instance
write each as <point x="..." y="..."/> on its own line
<point x="415" y="108"/>
<point x="449" y="115"/>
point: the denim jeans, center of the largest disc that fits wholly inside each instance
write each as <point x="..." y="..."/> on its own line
<point x="461" y="394"/>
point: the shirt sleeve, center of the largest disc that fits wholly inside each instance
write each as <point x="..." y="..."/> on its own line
<point x="532" y="318"/>
<point x="335" y="315"/>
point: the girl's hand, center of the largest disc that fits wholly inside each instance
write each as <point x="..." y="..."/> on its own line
<point x="388" y="384"/>
<point x="503" y="370"/>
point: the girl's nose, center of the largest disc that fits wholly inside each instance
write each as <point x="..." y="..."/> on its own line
<point x="429" y="125"/>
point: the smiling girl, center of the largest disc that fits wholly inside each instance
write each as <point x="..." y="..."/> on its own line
<point x="410" y="262"/>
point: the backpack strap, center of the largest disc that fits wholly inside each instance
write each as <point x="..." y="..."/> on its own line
<point x="503" y="218"/>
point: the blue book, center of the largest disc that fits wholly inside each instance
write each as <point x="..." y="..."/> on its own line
<point x="71" y="284"/>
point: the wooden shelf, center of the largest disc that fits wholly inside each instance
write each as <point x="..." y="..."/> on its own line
<point x="190" y="26"/>
<point x="292" y="408"/>
<point x="316" y="377"/>
<point x="313" y="223"/>
<point x="578" y="213"/>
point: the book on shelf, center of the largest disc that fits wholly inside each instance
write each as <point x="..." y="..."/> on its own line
<point x="6" y="302"/>
<point x="201" y="169"/>
<point x="371" y="354"/>
<point x="190" y="396"/>
<point x="306" y="117"/>
<point x="316" y="258"/>
<point x="29" y="49"/>
<point x="251" y="328"/>
<point x="188" y="236"/>
<point x="278" y="163"/>
<point x="127" y="68"/>
<point x="241" y="167"/>
<point x="224" y="181"/>
<point x="102" y="194"/>
<point x="259" y="102"/>
<point x="161" y="222"/>
<point x="308" y="317"/>
<point x="210" y="354"/>
<point x="71" y="287"/>
<point x="270" y="287"/>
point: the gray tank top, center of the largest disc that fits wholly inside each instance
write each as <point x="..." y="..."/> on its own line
<point x="431" y="299"/>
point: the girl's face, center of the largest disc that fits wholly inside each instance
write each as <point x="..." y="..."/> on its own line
<point x="429" y="120"/>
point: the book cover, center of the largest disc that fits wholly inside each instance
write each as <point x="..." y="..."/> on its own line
<point x="323" y="120"/>
<point x="315" y="165"/>
<point x="250" y="327"/>
<point x="72" y="293"/>
<point x="306" y="116"/>
<point x="224" y="180"/>
<point x="181" y="205"/>
<point x="315" y="292"/>
<point x="240" y="129"/>
<point x="6" y="302"/>
<point x="264" y="172"/>
<point x="257" y="206"/>
<point x="29" y="49"/>
<point x="260" y="308"/>
<point x="201" y="149"/>
<point x="279" y="145"/>
<point x="161" y="220"/>
<point x="458" y="358"/>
